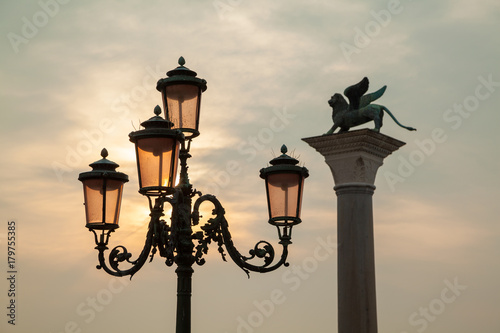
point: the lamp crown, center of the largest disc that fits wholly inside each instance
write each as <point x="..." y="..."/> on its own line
<point x="284" y="163"/>
<point x="181" y="75"/>
<point x="103" y="168"/>
<point x="181" y="70"/>
<point x="104" y="163"/>
<point x="284" y="158"/>
<point x="157" y="121"/>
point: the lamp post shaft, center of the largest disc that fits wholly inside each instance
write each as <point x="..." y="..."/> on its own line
<point x="183" y="319"/>
<point x="181" y="222"/>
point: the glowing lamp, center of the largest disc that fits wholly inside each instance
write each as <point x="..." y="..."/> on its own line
<point x="157" y="154"/>
<point x="284" y="188"/>
<point x="102" y="189"/>
<point x="181" y="94"/>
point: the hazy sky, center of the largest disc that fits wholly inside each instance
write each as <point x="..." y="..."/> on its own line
<point x="79" y="76"/>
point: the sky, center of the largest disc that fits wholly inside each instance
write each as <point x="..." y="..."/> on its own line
<point x="79" y="76"/>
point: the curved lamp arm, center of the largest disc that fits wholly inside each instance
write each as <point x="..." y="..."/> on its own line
<point x="217" y="229"/>
<point x="154" y="237"/>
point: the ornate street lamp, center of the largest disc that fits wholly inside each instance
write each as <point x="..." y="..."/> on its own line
<point x="102" y="190"/>
<point x="159" y="146"/>
<point x="284" y="188"/>
<point x="181" y="94"/>
<point x="157" y="153"/>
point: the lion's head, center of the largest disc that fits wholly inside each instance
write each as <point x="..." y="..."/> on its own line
<point x="338" y="103"/>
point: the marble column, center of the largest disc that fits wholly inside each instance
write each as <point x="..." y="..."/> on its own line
<point x="354" y="158"/>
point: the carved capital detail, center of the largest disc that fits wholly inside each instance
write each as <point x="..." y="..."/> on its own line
<point x="354" y="157"/>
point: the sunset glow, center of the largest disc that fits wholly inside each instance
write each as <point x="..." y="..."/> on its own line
<point x="77" y="77"/>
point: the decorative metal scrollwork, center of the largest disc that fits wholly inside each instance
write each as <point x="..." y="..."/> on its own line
<point x="119" y="253"/>
<point x="266" y="252"/>
<point x="168" y="239"/>
<point x="216" y="229"/>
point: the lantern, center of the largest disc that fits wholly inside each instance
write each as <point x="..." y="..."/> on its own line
<point x="103" y="188"/>
<point x="284" y="188"/>
<point x="157" y="154"/>
<point x="181" y="94"/>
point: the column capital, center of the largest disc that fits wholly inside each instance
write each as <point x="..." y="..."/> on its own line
<point x="354" y="157"/>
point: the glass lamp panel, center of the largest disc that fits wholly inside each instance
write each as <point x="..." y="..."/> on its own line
<point x="96" y="196"/>
<point x="155" y="161"/>
<point x="283" y="191"/>
<point x="114" y="190"/>
<point x="93" y="194"/>
<point x="301" y="192"/>
<point x="182" y="105"/>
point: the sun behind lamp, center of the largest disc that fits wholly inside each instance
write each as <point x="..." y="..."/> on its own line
<point x="157" y="154"/>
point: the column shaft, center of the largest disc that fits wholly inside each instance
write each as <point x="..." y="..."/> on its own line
<point x="354" y="158"/>
<point x="357" y="308"/>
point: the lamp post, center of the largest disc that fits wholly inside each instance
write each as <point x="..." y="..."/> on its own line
<point x="160" y="146"/>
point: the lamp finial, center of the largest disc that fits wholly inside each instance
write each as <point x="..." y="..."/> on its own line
<point x="157" y="110"/>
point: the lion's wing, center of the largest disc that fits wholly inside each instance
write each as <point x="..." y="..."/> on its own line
<point x="368" y="98"/>
<point x="355" y="92"/>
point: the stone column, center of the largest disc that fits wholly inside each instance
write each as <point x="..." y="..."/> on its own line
<point x="354" y="158"/>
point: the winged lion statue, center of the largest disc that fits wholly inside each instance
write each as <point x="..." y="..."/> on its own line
<point x="359" y="110"/>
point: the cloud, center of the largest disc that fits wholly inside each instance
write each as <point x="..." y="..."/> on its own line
<point x="405" y="226"/>
<point x="88" y="77"/>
